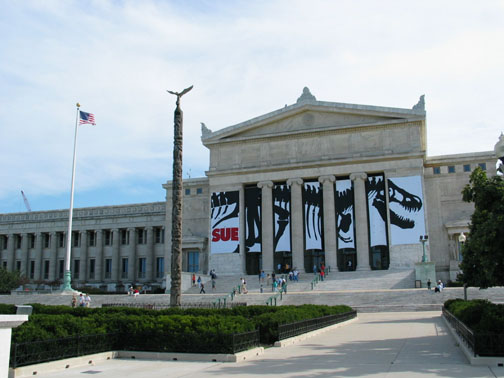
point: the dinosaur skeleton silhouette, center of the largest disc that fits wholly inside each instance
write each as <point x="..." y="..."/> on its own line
<point x="225" y="206"/>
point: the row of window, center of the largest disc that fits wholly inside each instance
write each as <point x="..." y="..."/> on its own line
<point x="451" y="168"/>
<point x="198" y="191"/>
<point x="142" y="268"/>
<point x="124" y="235"/>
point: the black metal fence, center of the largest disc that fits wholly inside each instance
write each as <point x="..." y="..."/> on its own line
<point x="298" y="328"/>
<point x="29" y="353"/>
<point x="33" y="352"/>
<point x="482" y="344"/>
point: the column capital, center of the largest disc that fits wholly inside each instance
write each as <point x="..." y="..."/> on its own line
<point x="265" y="184"/>
<point x="295" y="181"/>
<point x="358" y="175"/>
<point x="329" y="178"/>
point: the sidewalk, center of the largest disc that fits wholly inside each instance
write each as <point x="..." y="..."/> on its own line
<point x="385" y="345"/>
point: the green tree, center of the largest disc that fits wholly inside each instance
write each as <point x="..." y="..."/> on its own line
<point x="483" y="253"/>
<point x="10" y="280"/>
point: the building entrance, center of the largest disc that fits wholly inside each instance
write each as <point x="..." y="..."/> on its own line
<point x="313" y="260"/>
<point x="347" y="260"/>
<point x="253" y="261"/>
<point x="284" y="259"/>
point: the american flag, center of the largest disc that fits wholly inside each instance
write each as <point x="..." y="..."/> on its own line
<point x="86" y="118"/>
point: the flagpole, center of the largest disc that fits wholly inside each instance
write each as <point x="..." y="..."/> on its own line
<point x="67" y="282"/>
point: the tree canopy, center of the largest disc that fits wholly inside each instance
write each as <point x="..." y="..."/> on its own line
<point x="10" y="280"/>
<point x="483" y="252"/>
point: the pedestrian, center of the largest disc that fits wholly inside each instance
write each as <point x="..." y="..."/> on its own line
<point x="130" y="290"/>
<point x="213" y="284"/>
<point x="136" y="293"/>
<point x="268" y="279"/>
<point x="193" y="279"/>
<point x="199" y="282"/>
<point x="82" y="300"/>
<point x="74" y="301"/>
<point x="322" y="274"/>
<point x="429" y="284"/>
<point x="291" y="275"/>
<point x="202" y="288"/>
<point x="87" y="300"/>
<point x="315" y="269"/>
<point x="244" y="290"/>
<point x="261" y="289"/>
<point x="279" y="268"/>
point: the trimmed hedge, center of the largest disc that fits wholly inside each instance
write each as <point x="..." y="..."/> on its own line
<point x="480" y="315"/>
<point x="201" y="328"/>
<point x="7" y="309"/>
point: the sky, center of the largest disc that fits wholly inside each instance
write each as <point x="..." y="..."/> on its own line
<point x="244" y="58"/>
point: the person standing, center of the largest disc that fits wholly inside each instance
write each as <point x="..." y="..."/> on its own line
<point x="199" y="282"/>
<point x="193" y="279"/>
<point x="87" y="300"/>
<point x="213" y="284"/>
<point x="74" y="301"/>
<point x="429" y="284"/>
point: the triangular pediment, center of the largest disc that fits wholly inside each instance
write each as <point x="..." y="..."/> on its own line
<point x="312" y="116"/>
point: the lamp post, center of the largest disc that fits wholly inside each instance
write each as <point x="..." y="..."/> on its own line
<point x="462" y="239"/>
<point x="423" y="240"/>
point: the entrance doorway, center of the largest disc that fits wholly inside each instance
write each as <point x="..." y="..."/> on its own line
<point x="313" y="260"/>
<point x="347" y="260"/>
<point x="285" y="261"/>
<point x="253" y="262"/>
<point x="379" y="257"/>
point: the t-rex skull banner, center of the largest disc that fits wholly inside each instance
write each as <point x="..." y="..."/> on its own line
<point x="253" y="219"/>
<point x="406" y="210"/>
<point x="225" y="222"/>
<point x="281" y="213"/>
<point x="344" y="202"/>
<point x="312" y="199"/>
<point x="375" y="189"/>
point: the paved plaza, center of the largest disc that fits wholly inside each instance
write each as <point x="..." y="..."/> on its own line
<point x="385" y="345"/>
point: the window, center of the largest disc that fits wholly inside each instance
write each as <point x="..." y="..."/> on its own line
<point x="108" y="268"/>
<point x="193" y="261"/>
<point x="46" y="269"/>
<point x="4" y="240"/>
<point x="159" y="234"/>
<point x="124" y="237"/>
<point x="159" y="267"/>
<point x="76" y="269"/>
<point x="18" y="266"/>
<point x="436" y="170"/>
<point x="18" y="239"/>
<point x="482" y="166"/>
<point x="32" y="269"/>
<point x="199" y="190"/>
<point x="47" y="240"/>
<point x="467" y="167"/>
<point x="61" y="269"/>
<point x="124" y="268"/>
<point x="76" y="238"/>
<point x="108" y="237"/>
<point x="61" y="239"/>
<point x="92" y="263"/>
<point x="142" y="267"/>
<point x="31" y="241"/>
<point x="92" y="238"/>
<point x="451" y="169"/>
<point x="141" y="236"/>
<point x="188" y="192"/>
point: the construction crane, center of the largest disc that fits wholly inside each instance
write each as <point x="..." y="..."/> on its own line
<point x="27" y="204"/>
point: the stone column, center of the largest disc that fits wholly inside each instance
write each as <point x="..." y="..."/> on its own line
<point x="116" y="255"/>
<point x="132" y="273"/>
<point x="361" y="222"/>
<point x="84" y="274"/>
<point x="53" y="255"/>
<point x="37" y="274"/>
<point x="24" y="251"/>
<point x="150" y="270"/>
<point x="329" y="221"/>
<point x="267" y="225"/>
<point x="26" y="268"/>
<point x="297" y="231"/>
<point x="243" y="235"/>
<point x="10" y="252"/>
<point x="100" y="256"/>
<point x="39" y="262"/>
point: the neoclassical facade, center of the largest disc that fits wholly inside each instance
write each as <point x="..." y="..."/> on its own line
<point x="347" y="185"/>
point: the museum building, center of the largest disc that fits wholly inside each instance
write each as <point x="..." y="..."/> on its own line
<point x="347" y="185"/>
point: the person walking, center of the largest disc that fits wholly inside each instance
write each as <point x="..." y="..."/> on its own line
<point x="213" y="284"/>
<point x="202" y="288"/>
<point x="193" y="279"/>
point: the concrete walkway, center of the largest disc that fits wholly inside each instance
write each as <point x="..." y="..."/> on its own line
<point x="385" y="345"/>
